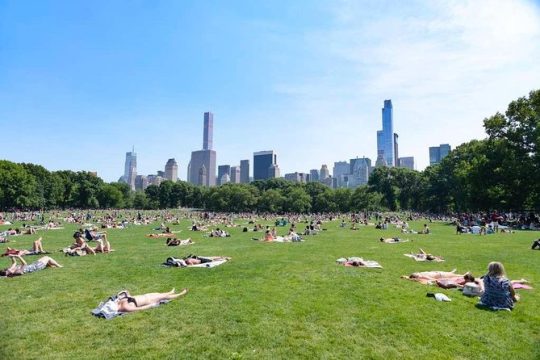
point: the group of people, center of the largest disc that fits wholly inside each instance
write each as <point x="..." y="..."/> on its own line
<point x="496" y="291"/>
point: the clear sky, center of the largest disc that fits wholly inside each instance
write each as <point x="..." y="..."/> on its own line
<point x="81" y="82"/>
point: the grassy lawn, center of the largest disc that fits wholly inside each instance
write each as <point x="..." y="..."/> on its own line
<point x="272" y="300"/>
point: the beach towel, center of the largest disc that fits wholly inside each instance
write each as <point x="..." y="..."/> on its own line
<point x="421" y="257"/>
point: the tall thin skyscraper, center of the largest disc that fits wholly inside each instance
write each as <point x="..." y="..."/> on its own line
<point x="385" y="137"/>
<point x="202" y="167"/>
<point x="244" y="171"/>
<point x="130" y="169"/>
<point x="171" y="170"/>
<point x="208" y="131"/>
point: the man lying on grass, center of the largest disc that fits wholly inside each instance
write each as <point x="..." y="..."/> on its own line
<point x="23" y="268"/>
<point x="37" y="248"/>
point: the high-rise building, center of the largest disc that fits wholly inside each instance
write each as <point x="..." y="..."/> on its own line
<point x="235" y="174"/>
<point x="208" y="136"/>
<point x="262" y="161"/>
<point x="155" y="180"/>
<point x="244" y="171"/>
<point x="141" y="182"/>
<point x="406" y="162"/>
<point x="222" y="170"/>
<point x="273" y="171"/>
<point x="437" y="153"/>
<point x="396" y="152"/>
<point x="385" y="138"/>
<point x="202" y="167"/>
<point x="340" y="169"/>
<point x="130" y="169"/>
<point x="360" y="170"/>
<point x="314" y="175"/>
<point x="381" y="161"/>
<point x="171" y="170"/>
<point x="324" y="173"/>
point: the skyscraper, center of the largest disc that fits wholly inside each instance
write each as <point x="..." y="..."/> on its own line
<point x="314" y="175"/>
<point x="244" y="171"/>
<point x="222" y="170"/>
<point x="385" y="138"/>
<point x="406" y="162"/>
<point x="202" y="167"/>
<point x="360" y="170"/>
<point x="273" y="171"/>
<point x="130" y="169"/>
<point x="341" y="168"/>
<point x="208" y="137"/>
<point x="235" y="174"/>
<point x="171" y="170"/>
<point x="396" y="152"/>
<point x="437" y="153"/>
<point x="324" y="173"/>
<point x="262" y="161"/>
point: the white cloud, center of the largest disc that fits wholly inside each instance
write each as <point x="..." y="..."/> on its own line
<point x="445" y="65"/>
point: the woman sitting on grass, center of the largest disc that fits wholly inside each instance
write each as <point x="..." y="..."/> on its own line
<point x="498" y="290"/>
<point x="23" y="268"/>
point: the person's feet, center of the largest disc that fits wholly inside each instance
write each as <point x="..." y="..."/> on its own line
<point x="183" y="292"/>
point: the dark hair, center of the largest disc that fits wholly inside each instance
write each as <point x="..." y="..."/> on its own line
<point x="3" y="272"/>
<point x="76" y="235"/>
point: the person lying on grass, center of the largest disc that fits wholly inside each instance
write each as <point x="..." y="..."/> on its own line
<point x="37" y="248"/>
<point x="423" y="256"/>
<point x="23" y="268"/>
<point x="123" y="302"/>
<point x="536" y="244"/>
<point x="442" y="277"/>
<point x="192" y="260"/>
<point x="392" y="240"/>
<point x="177" y="242"/>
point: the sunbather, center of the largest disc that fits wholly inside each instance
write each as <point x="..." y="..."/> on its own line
<point x="536" y="244"/>
<point x="391" y="240"/>
<point x="37" y="248"/>
<point x="431" y="277"/>
<point x="177" y="242"/>
<point x="23" y="268"/>
<point x="423" y="256"/>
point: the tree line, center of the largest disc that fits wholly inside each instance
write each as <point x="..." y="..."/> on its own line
<point x="501" y="172"/>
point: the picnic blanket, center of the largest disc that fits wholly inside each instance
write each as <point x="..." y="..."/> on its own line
<point x="422" y="257"/>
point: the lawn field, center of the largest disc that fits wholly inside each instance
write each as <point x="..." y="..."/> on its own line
<point x="272" y="300"/>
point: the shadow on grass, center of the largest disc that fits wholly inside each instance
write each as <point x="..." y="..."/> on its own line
<point x="487" y="308"/>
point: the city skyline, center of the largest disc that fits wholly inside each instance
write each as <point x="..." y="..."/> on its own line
<point x="90" y="83"/>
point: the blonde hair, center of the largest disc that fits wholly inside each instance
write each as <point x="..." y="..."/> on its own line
<point x="496" y="269"/>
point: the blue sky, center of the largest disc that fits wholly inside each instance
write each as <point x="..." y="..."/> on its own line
<point x="81" y="82"/>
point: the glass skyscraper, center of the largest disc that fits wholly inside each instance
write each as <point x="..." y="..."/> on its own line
<point x="386" y="139"/>
<point x="262" y="161"/>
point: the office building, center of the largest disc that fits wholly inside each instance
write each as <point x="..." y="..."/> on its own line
<point x="130" y="169"/>
<point x="396" y="152"/>
<point x="208" y="136"/>
<point x="314" y="175"/>
<point x="437" y="153"/>
<point x="381" y="161"/>
<point x="406" y="162"/>
<point x="141" y="182"/>
<point x="235" y="174"/>
<point x="273" y="171"/>
<point x="324" y="173"/>
<point x="171" y="170"/>
<point x="360" y="169"/>
<point x="262" y="161"/>
<point x="244" y="171"/>
<point x="386" y="139"/>
<point x="222" y="170"/>
<point x="155" y="180"/>
<point x="202" y="167"/>
<point x="340" y="169"/>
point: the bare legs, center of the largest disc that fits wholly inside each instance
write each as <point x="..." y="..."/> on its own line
<point x="37" y="247"/>
<point x="147" y="301"/>
<point x="49" y="262"/>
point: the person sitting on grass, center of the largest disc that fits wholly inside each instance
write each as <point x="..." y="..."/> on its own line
<point x="80" y="244"/>
<point x="425" y="230"/>
<point x="103" y="246"/>
<point x="23" y="268"/>
<point x="498" y="290"/>
<point x="37" y="248"/>
<point x="93" y="234"/>
<point x="536" y="244"/>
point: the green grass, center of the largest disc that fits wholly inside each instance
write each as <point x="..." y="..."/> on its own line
<point x="271" y="300"/>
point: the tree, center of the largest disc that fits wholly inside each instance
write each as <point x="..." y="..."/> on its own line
<point x="18" y="189"/>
